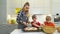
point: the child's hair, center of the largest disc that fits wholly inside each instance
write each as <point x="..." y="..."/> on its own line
<point x="34" y="16"/>
<point x="48" y="18"/>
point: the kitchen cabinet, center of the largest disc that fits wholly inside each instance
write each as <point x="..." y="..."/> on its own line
<point x="3" y="11"/>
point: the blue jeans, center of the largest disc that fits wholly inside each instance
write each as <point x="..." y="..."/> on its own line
<point x="21" y="26"/>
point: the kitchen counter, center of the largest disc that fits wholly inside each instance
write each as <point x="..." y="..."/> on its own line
<point x="19" y="31"/>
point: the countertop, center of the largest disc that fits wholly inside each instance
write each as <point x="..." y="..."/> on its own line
<point x="19" y="31"/>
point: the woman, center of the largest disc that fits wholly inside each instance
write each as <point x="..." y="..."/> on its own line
<point x="22" y="18"/>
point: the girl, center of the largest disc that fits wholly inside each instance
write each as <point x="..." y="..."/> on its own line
<point x="34" y="22"/>
<point x="48" y="22"/>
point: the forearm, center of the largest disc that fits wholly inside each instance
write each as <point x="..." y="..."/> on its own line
<point x="36" y="25"/>
<point x="24" y="23"/>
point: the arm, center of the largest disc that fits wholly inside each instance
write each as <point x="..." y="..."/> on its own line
<point x="20" y="18"/>
<point x="40" y="24"/>
<point x="53" y="24"/>
<point x="35" y="25"/>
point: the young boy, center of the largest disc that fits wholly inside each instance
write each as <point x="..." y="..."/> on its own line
<point x="48" y="22"/>
<point x="34" y="22"/>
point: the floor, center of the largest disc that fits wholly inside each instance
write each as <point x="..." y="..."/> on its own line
<point x="6" y="29"/>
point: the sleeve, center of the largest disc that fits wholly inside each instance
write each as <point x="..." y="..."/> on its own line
<point x="32" y="23"/>
<point x="19" y="18"/>
<point x="39" y="23"/>
<point x="45" y="23"/>
<point x="53" y="24"/>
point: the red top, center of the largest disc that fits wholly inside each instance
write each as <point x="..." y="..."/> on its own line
<point x="36" y="23"/>
<point x="49" y="24"/>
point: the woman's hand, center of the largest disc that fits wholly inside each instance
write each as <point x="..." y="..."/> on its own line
<point x="25" y="23"/>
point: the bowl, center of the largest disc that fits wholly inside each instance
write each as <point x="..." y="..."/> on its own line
<point x="58" y="29"/>
<point x="49" y="29"/>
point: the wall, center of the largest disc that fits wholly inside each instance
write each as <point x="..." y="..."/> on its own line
<point x="55" y="7"/>
<point x="36" y="6"/>
<point x="11" y="5"/>
<point x="43" y="7"/>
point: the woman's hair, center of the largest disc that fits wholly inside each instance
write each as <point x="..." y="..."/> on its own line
<point x="27" y="3"/>
<point x="34" y="16"/>
<point x="27" y="13"/>
<point x="48" y="18"/>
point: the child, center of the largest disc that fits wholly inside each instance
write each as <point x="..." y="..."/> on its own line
<point x="48" y="22"/>
<point x="34" y="22"/>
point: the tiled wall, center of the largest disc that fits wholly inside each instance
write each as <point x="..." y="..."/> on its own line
<point x="36" y="6"/>
<point x="55" y="7"/>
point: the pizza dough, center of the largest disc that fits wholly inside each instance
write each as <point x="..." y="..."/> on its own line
<point x="31" y="28"/>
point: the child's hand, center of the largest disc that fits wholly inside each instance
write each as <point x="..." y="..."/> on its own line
<point x="42" y="24"/>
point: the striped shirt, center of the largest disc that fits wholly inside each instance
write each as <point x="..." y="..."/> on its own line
<point x="21" y="17"/>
